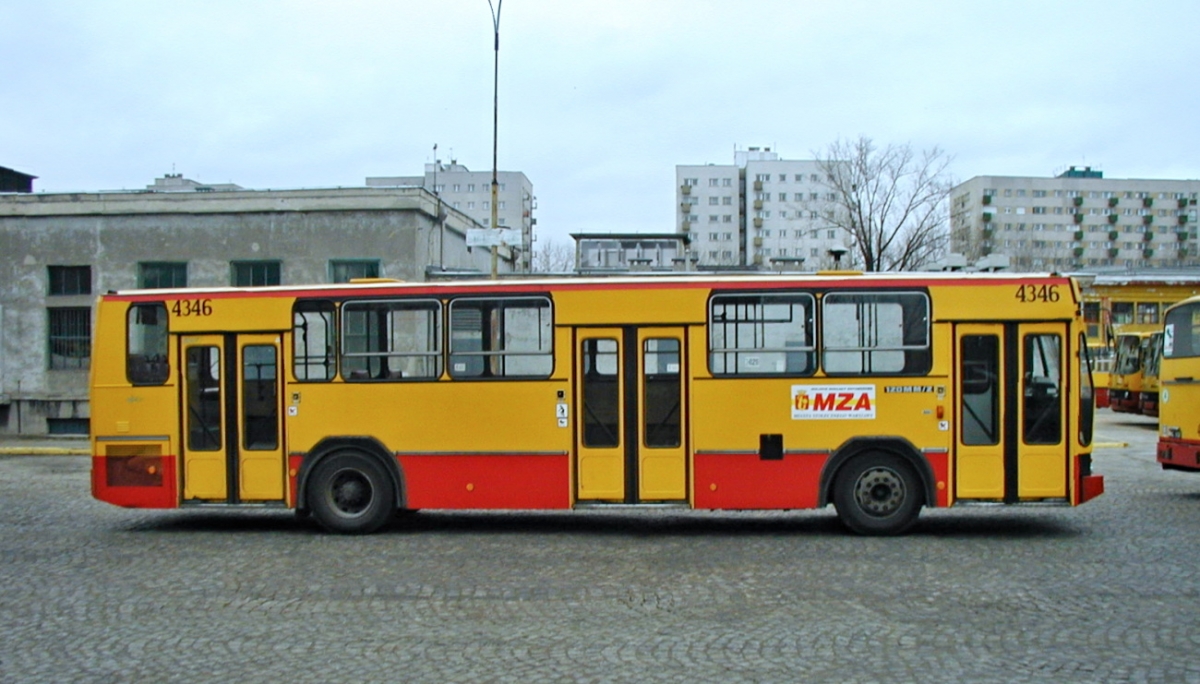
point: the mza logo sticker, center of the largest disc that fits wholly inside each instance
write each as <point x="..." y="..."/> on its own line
<point x="844" y="402"/>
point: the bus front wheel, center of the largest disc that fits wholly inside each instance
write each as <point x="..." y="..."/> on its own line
<point x="877" y="494"/>
<point x="350" y="493"/>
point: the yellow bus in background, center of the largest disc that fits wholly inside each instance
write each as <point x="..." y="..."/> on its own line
<point x="1152" y="360"/>
<point x="1116" y="304"/>
<point x="1179" y="396"/>
<point x="880" y="394"/>
<point x="1131" y="302"/>
<point x="1127" y="377"/>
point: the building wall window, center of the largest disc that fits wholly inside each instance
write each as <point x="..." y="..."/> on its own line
<point x="343" y="270"/>
<point x="159" y="274"/>
<point x="70" y="337"/>
<point x="254" y="273"/>
<point x="70" y="280"/>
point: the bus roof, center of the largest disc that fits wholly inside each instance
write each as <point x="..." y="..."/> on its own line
<point x="376" y="286"/>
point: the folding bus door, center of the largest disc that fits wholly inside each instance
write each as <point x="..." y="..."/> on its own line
<point x="1011" y="412"/>
<point x="631" y="415"/>
<point x="232" y="432"/>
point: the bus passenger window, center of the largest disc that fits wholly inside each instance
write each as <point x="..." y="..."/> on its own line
<point x="146" y="351"/>
<point x="313" y="340"/>
<point x="761" y="335"/>
<point x="876" y="333"/>
<point x="501" y="337"/>
<point x="392" y="340"/>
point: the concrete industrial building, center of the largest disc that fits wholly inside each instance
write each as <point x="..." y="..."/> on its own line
<point x="1076" y="220"/>
<point x="12" y="180"/>
<point x="470" y="192"/>
<point x="761" y="211"/>
<point x="59" y="250"/>
<point x="612" y="253"/>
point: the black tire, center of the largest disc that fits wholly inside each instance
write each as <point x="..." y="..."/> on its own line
<point x="878" y="494"/>
<point x="349" y="492"/>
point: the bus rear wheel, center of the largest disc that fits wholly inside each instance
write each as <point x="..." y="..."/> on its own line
<point x="878" y="494"/>
<point x="350" y="493"/>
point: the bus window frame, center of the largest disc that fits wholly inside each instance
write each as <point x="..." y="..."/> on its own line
<point x="389" y="305"/>
<point x="925" y="351"/>
<point x="809" y="326"/>
<point x="166" y="340"/>
<point x="489" y="357"/>
<point x="331" y="347"/>
<point x="1190" y="313"/>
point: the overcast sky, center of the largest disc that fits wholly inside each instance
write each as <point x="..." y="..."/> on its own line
<point x="598" y="100"/>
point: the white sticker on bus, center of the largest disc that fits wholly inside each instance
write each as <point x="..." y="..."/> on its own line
<point x="837" y="402"/>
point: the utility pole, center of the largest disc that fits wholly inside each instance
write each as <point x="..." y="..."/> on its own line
<point x="495" y="128"/>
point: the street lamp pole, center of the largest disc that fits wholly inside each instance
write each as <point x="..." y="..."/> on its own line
<point x="495" y="127"/>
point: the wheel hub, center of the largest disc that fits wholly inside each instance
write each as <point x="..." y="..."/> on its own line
<point x="351" y="492"/>
<point x="879" y="491"/>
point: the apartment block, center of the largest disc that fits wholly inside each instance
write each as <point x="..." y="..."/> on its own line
<point x="1076" y="219"/>
<point x="761" y="211"/>
<point x="470" y="192"/>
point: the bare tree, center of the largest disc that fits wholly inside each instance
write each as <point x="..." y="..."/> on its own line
<point x="554" y="257"/>
<point x="890" y="202"/>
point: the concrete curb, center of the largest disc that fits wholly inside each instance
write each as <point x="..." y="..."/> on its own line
<point x="43" y="451"/>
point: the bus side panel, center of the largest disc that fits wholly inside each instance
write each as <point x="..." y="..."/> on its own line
<point x="486" y="480"/>
<point x="742" y="481"/>
<point x="939" y="463"/>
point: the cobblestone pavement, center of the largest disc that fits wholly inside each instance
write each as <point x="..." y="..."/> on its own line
<point x="1107" y="592"/>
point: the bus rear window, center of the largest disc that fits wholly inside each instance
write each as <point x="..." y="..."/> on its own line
<point x="146" y="347"/>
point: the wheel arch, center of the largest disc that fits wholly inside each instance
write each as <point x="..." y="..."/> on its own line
<point x="894" y="445"/>
<point x="365" y="445"/>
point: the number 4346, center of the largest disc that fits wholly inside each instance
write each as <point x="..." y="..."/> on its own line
<point x="1037" y="293"/>
<point x="192" y="307"/>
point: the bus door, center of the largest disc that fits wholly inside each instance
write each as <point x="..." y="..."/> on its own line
<point x="232" y="444"/>
<point x="631" y="415"/>
<point x="1011" y="411"/>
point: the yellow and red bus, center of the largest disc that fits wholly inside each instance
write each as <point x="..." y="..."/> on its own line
<point x="1151" y="364"/>
<point x="1127" y="376"/>
<point x="1179" y="382"/>
<point x="880" y="394"/>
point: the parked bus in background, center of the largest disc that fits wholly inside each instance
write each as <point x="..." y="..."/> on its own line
<point x="1148" y="398"/>
<point x="1102" y="363"/>
<point x="880" y="394"/>
<point x="1125" y="381"/>
<point x="1179" y="380"/>
<point x="1126" y="303"/>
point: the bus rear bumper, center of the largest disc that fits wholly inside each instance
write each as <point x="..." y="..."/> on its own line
<point x="1178" y="454"/>
<point x="1123" y="401"/>
<point x="137" y="481"/>
<point x="1091" y="487"/>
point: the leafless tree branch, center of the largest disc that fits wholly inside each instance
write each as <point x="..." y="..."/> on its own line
<point x="890" y="202"/>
